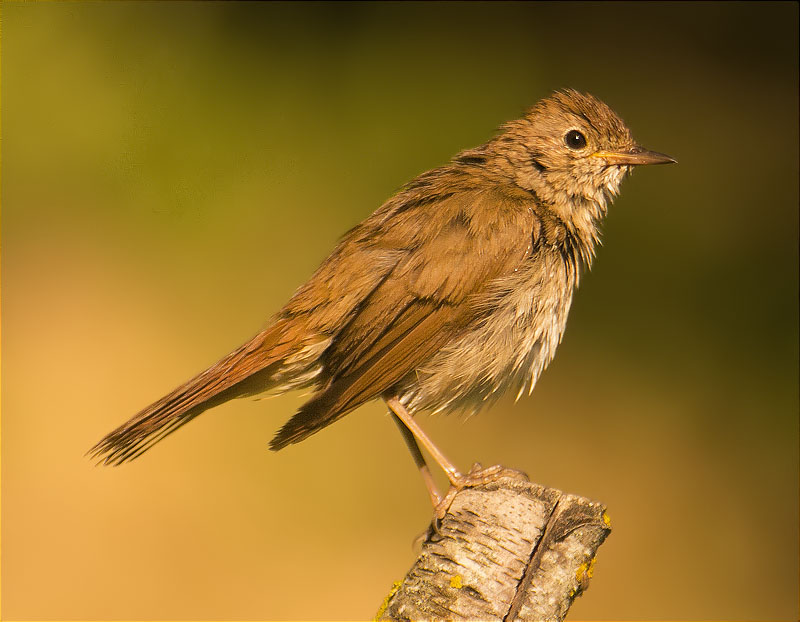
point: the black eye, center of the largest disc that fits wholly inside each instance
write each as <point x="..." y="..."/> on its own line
<point x="575" y="140"/>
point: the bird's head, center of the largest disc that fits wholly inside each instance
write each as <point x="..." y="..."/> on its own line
<point x="571" y="149"/>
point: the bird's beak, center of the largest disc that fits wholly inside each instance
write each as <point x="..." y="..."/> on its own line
<point x="635" y="155"/>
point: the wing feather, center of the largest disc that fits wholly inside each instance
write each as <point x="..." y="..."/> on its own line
<point x="427" y="300"/>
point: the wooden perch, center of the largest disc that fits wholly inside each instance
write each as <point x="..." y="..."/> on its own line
<point x="505" y="550"/>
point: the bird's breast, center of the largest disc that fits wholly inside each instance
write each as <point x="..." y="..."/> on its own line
<point x="507" y="348"/>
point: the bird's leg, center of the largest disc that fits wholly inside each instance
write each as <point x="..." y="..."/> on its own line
<point x="401" y="413"/>
<point x="419" y="460"/>
<point x="478" y="475"/>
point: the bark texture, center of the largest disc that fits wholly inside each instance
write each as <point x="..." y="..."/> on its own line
<point x="506" y="550"/>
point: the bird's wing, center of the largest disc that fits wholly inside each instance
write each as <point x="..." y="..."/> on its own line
<point x="423" y="302"/>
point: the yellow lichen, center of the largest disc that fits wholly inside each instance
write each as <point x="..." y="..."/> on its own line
<point x="607" y="519"/>
<point x="395" y="586"/>
<point x="582" y="576"/>
<point x="590" y="569"/>
<point x="456" y="582"/>
<point x="581" y="571"/>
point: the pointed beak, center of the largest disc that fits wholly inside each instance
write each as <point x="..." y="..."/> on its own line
<point x="634" y="156"/>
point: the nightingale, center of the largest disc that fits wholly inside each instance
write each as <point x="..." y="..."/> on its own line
<point x="454" y="291"/>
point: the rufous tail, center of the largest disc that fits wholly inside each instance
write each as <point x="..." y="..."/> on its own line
<point x="242" y="372"/>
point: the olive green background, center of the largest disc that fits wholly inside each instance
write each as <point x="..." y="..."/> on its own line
<point x="172" y="172"/>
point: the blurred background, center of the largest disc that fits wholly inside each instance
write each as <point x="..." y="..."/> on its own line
<point x="172" y="172"/>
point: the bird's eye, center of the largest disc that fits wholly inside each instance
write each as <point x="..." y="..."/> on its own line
<point x="575" y="140"/>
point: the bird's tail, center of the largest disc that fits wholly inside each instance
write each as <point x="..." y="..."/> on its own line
<point x="278" y="357"/>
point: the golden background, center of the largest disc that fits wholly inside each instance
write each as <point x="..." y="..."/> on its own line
<point x="172" y="172"/>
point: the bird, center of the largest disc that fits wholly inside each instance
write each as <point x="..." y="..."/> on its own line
<point x="453" y="292"/>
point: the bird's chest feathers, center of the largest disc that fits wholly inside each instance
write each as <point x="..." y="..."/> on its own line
<point x="530" y="317"/>
<point x="512" y="343"/>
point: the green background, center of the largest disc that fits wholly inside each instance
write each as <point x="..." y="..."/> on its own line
<point x="172" y="172"/>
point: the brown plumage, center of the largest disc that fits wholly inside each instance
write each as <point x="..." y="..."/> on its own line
<point x="455" y="290"/>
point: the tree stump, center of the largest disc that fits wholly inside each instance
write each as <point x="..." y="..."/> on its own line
<point x="507" y="549"/>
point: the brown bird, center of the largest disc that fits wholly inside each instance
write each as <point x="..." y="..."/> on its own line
<point x="454" y="291"/>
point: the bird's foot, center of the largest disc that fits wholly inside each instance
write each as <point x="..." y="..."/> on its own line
<point x="477" y="476"/>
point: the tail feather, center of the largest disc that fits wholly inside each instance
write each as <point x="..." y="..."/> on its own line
<point x="244" y="371"/>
